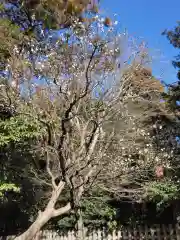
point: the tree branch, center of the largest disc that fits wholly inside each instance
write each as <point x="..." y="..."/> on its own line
<point x="62" y="210"/>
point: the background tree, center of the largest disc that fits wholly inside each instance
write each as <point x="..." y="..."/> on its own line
<point x="145" y="136"/>
<point x="23" y="23"/>
<point x="171" y="98"/>
<point x="174" y="38"/>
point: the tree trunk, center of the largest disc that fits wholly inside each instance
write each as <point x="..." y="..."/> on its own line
<point x="80" y="234"/>
<point x="41" y="220"/>
<point x="46" y="215"/>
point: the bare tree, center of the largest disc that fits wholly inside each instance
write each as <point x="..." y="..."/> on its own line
<point x="83" y="108"/>
<point x="73" y="104"/>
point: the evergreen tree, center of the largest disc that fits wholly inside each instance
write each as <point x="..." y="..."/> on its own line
<point x="174" y="38"/>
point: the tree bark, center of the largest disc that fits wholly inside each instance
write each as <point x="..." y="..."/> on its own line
<point x="41" y="220"/>
<point x="46" y="215"/>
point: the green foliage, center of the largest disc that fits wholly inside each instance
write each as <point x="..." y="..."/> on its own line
<point x="11" y="30"/>
<point x="161" y="193"/>
<point x="5" y="187"/>
<point x="96" y="212"/>
<point x="174" y="38"/>
<point x="21" y="21"/>
<point x="1" y="7"/>
<point x="172" y="96"/>
<point x="10" y="35"/>
<point x="18" y="129"/>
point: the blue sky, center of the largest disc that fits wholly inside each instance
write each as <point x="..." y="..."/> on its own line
<point x="146" y="19"/>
